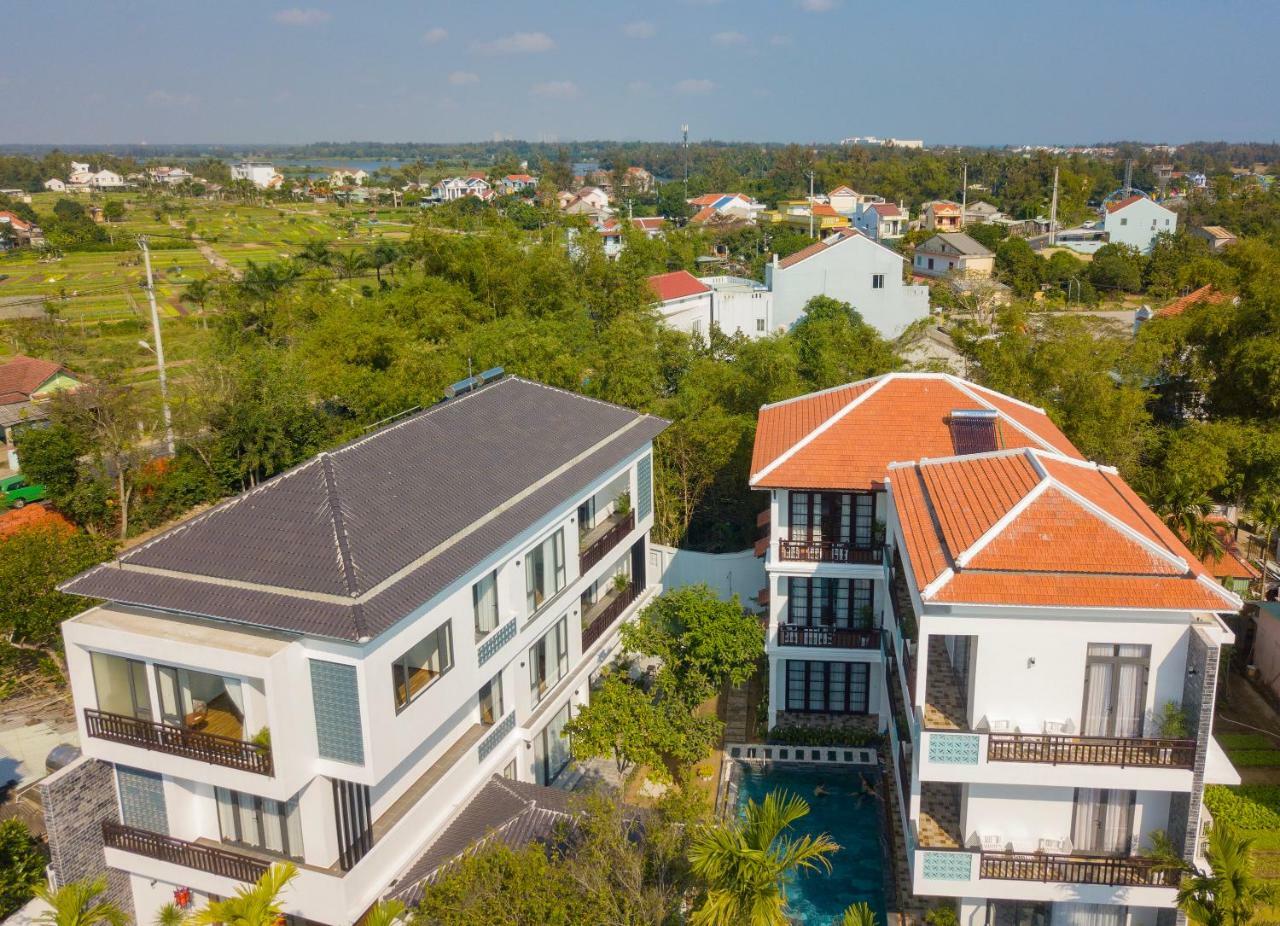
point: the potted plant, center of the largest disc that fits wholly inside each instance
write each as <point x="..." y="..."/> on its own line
<point x="622" y="505"/>
<point x="878" y="533"/>
<point x="621" y="582"/>
<point x="262" y="739"/>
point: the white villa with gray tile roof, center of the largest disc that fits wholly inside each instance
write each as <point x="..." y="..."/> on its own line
<point x="329" y="667"/>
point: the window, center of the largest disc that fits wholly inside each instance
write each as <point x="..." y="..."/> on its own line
<point x="842" y="603"/>
<point x="491" y="708"/>
<point x="417" y="669"/>
<point x="827" y="687"/>
<point x="759" y="324"/>
<point x="484" y="602"/>
<point x="260" y="822"/>
<point x="121" y="686"/>
<point x="549" y="660"/>
<point x="877" y="281"/>
<point x="544" y="573"/>
<point x="551" y="749"/>
<point x="832" y="517"/>
<point x="1124" y="221"/>
<point x="930" y="263"/>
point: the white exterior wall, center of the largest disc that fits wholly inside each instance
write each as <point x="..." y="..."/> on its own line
<point x="258" y="174"/>
<point x="1138" y="223"/>
<point x="691" y="314"/>
<point x="845" y="272"/>
<point x="398" y="748"/>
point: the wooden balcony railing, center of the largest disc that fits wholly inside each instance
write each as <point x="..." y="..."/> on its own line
<point x="1091" y="750"/>
<point x="834" y="637"/>
<point x="179" y="741"/>
<point x="596" y="550"/>
<point x="231" y="865"/>
<point x="603" y="616"/>
<point x="1130" y="871"/>
<point x="826" y="551"/>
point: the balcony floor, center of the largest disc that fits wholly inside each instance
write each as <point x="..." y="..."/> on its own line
<point x="939" y="826"/>
<point x="943" y="701"/>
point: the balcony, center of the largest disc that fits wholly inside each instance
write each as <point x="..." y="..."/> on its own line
<point x="1116" y="871"/>
<point x="828" y="637"/>
<point x="179" y="741"/>
<point x="163" y="848"/>
<point x="828" y="551"/>
<point x="602" y="538"/>
<point x="600" y="616"/>
<point x="1124" y="752"/>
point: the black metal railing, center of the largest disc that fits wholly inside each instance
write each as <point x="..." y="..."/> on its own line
<point x="179" y="741"/>
<point x="827" y="551"/>
<point x="836" y="637"/>
<point x="596" y="550"/>
<point x="231" y="865"/>
<point x="1091" y="750"/>
<point x="606" y="613"/>
<point x="1131" y="871"/>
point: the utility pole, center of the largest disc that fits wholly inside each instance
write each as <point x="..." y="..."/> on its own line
<point x="964" y="196"/>
<point x="685" y="130"/>
<point x="810" y="204"/>
<point x="155" y="329"/>
<point x="1053" y="210"/>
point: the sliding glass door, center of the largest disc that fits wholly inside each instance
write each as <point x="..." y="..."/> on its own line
<point x="1103" y="822"/>
<point x="1115" y="689"/>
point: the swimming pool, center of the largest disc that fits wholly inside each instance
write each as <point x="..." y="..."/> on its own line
<point x="842" y="806"/>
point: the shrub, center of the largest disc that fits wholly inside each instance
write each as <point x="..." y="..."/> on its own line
<point x="1252" y="807"/>
<point x="1173" y="721"/>
<point x="814" y="736"/>
<point x="21" y="865"/>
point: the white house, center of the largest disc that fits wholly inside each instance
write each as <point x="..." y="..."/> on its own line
<point x="955" y="254"/>
<point x="735" y="305"/>
<point x="259" y="174"/>
<point x="1017" y="623"/>
<point x="342" y="177"/>
<point x="106" y="180"/>
<point x="79" y="167"/>
<point x="517" y="183"/>
<point x="728" y="206"/>
<point x="1136" y="220"/>
<point x="54" y="185"/>
<point x="331" y="666"/>
<point x="451" y="188"/>
<point x="881" y="221"/>
<point x="852" y="268"/>
<point x="169" y="175"/>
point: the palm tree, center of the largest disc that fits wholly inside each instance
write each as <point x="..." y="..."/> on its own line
<point x="316" y="252"/>
<point x="170" y="915"/>
<point x="382" y="254"/>
<point x="746" y="864"/>
<point x="255" y="905"/>
<point x="1185" y="509"/>
<point x="349" y="263"/>
<point x="78" y="904"/>
<point x="1266" y="511"/>
<point x="859" y="914"/>
<point x="1230" y="894"/>
<point x="384" y="913"/>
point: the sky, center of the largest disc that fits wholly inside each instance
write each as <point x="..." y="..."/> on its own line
<point x="986" y="72"/>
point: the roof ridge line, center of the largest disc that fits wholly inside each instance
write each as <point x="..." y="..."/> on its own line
<point x="829" y="389"/>
<point x="343" y="542"/>
<point x="947" y="573"/>
<point x="820" y="429"/>
<point x="963" y="386"/>
<point x="1107" y="517"/>
<point x="966" y="555"/>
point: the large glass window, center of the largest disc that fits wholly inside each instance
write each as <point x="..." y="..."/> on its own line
<point x="417" y="669"/>
<point x="260" y="822"/>
<point x="121" y="686"/>
<point x="551" y="749"/>
<point x="843" y="603"/>
<point x="544" y="571"/>
<point x="549" y="659"/>
<point x="491" y="700"/>
<point x="201" y="701"/>
<point x="832" y="517"/>
<point x="828" y="687"/>
<point x="484" y="602"/>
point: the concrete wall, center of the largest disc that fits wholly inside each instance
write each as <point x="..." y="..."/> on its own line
<point x="740" y="573"/>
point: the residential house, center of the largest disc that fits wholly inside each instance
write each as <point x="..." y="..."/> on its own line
<point x="1231" y="567"/>
<point x="941" y="215"/>
<point x="1217" y="236"/>
<point x="735" y="305"/>
<point x="451" y="188"/>
<point x="106" y="180"/>
<point x="852" y="268"/>
<point x="54" y="185"/>
<point x="881" y="221"/>
<point x="516" y="183"/>
<point x="807" y="216"/>
<point x="651" y="226"/>
<point x="169" y="175"/>
<point x="455" y="582"/>
<point x="590" y="201"/>
<point x="26" y="386"/>
<point x="952" y="253"/>
<point x="1136" y="221"/>
<point x="725" y="206"/>
<point x="262" y="175"/>
<point x="639" y="180"/>
<point x="967" y="605"/>
<point x="348" y="177"/>
<point x="610" y="232"/>
<point x="981" y="213"/>
<point x="78" y="167"/>
<point x="17" y="232"/>
<point x="1205" y="295"/>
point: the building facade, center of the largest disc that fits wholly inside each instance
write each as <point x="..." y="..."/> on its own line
<point x="1039" y="650"/>
<point x="329" y="667"/>
<point x="1136" y="221"/>
<point x="954" y="254"/>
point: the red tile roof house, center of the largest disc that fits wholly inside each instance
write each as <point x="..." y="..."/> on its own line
<point x="945" y="568"/>
<point x="26" y="385"/>
<point x="684" y="301"/>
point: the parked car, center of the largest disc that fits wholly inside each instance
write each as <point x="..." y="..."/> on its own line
<point x="16" y="491"/>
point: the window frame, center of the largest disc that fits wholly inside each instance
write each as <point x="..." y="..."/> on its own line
<point x="556" y="660"/>
<point x="877" y="281"/>
<point x="811" y="683"/>
<point x="258" y="812"/>
<point x="491" y="577"/>
<point x="400" y="672"/>
<point x="559" y="570"/>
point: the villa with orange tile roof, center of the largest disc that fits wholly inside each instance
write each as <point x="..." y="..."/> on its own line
<point x="945" y="568"/>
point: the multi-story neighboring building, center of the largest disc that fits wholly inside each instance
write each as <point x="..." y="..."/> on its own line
<point x="261" y="175"/>
<point x="735" y="305"/>
<point x="942" y="215"/>
<point x="1136" y="221"/>
<point x="953" y="254"/>
<point x="329" y="667"/>
<point x="881" y="221"/>
<point x="1041" y="651"/>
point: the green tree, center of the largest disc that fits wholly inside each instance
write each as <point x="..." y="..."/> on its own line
<point x="22" y="865"/>
<point x="1266" y="511"/>
<point x="253" y="905"/>
<point x="79" y="904"/>
<point x="51" y="457"/>
<point x="1185" y="509"/>
<point x="1117" y="268"/>
<point x="703" y="641"/>
<point x="113" y="211"/>
<point x="1019" y="267"/>
<point x="859" y="914"/>
<point x="835" y="346"/>
<point x="748" y="863"/>
<point x="1230" y="893"/>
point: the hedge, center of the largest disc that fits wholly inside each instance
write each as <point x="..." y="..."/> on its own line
<point x="1251" y="807"/>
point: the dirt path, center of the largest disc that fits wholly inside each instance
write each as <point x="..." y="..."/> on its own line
<point x="213" y="257"/>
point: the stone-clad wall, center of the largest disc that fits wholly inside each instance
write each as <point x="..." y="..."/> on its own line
<point x="76" y="800"/>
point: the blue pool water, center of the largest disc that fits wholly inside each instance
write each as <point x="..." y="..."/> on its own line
<point x="845" y="812"/>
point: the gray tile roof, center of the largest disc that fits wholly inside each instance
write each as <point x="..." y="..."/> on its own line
<point x="355" y="539"/>
<point x="964" y="244"/>
<point x="515" y="812"/>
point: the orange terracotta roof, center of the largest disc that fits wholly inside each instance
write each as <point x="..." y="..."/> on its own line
<point x="706" y="199"/>
<point x="1122" y="203"/>
<point x="1207" y="294"/>
<point x="886" y="210"/>
<point x="648" y="223"/>
<point x="1034" y="528"/>
<point x="1230" y="563"/>
<point x="677" y="285"/>
<point x="846" y="437"/>
<point x="945" y="207"/>
<point x="702" y="215"/>
<point x="824" y="210"/>
<point x="22" y="375"/>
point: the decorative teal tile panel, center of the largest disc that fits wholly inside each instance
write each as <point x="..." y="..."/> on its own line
<point x="947" y="866"/>
<point x="644" y="487"/>
<point x="142" y="800"/>
<point x="497" y="734"/>
<point x="335" y="696"/>
<point x="496" y="641"/>
<point x="953" y="748"/>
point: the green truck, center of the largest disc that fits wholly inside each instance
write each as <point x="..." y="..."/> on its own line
<point x="16" y="491"/>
